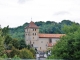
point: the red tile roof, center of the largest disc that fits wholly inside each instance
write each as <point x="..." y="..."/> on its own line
<point x="50" y="35"/>
<point x="32" y="25"/>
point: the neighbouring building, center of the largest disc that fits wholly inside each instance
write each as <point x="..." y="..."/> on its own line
<point x="40" y="41"/>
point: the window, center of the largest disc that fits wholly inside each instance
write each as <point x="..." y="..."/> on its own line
<point x="41" y="41"/>
<point x="40" y="48"/>
<point x="35" y="33"/>
<point x="50" y="40"/>
<point x="33" y="42"/>
<point x="33" y="37"/>
<point x="35" y="29"/>
<point x="30" y="42"/>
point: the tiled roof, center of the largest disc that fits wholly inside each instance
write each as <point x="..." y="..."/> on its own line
<point x="50" y="45"/>
<point x="32" y="25"/>
<point x="50" y="35"/>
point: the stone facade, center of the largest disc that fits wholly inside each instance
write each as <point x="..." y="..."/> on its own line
<point x="39" y="41"/>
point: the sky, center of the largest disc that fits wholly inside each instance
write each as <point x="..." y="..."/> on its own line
<point x="17" y="12"/>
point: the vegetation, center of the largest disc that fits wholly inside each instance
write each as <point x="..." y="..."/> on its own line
<point x="45" y="27"/>
<point x="12" y="39"/>
<point x="69" y="46"/>
<point x="1" y="43"/>
<point x="13" y="47"/>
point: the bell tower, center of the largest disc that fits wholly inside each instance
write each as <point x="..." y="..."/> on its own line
<point x="31" y="34"/>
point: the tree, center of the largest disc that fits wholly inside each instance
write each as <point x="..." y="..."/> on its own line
<point x="5" y="30"/>
<point x="26" y="54"/>
<point x="1" y="43"/>
<point x="22" y="44"/>
<point x="15" y="43"/>
<point x="69" y="46"/>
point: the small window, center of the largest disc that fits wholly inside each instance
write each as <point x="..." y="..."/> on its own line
<point x="40" y="48"/>
<point x="33" y="37"/>
<point x="50" y="40"/>
<point x="35" y="33"/>
<point x="35" y="29"/>
<point x="41" y="41"/>
<point x="30" y="42"/>
<point x="33" y="42"/>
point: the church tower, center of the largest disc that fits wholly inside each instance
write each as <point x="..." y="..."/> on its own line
<point x="32" y="34"/>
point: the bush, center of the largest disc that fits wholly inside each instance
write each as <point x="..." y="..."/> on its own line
<point x="26" y="54"/>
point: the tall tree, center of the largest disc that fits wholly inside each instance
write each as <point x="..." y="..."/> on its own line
<point x="69" y="46"/>
<point x="1" y="43"/>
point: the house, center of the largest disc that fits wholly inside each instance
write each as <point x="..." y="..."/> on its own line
<point x="40" y="41"/>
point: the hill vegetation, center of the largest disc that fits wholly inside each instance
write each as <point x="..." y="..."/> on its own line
<point x="68" y="47"/>
<point x="45" y="27"/>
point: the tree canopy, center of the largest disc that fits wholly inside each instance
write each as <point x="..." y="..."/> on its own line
<point x="68" y="47"/>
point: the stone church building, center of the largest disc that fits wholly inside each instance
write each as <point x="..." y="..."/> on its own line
<point x="40" y="41"/>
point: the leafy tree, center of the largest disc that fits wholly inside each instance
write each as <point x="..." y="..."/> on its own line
<point x="5" y="30"/>
<point x="26" y="54"/>
<point x="1" y="44"/>
<point x="15" y="43"/>
<point x="69" y="46"/>
<point x="22" y="44"/>
<point x="14" y="52"/>
<point x="15" y="58"/>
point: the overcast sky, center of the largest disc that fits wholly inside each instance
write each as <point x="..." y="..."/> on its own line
<point x="16" y="12"/>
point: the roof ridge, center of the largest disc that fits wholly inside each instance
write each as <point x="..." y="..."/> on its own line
<point x="32" y="25"/>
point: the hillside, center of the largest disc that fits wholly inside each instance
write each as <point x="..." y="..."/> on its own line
<point x="45" y="27"/>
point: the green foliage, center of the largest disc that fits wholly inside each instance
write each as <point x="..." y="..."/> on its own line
<point x="5" y="31"/>
<point x="4" y="56"/>
<point x="45" y="27"/>
<point x="22" y="44"/>
<point x="26" y="54"/>
<point x="15" y="58"/>
<point x="23" y="53"/>
<point x="14" y="52"/>
<point x="33" y="52"/>
<point x="69" y="46"/>
<point x="1" y="44"/>
<point x="15" y="43"/>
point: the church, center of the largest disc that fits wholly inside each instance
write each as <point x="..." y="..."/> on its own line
<point x="40" y="41"/>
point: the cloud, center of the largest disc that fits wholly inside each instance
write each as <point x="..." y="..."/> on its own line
<point x="21" y="11"/>
<point x="22" y="1"/>
<point x="61" y="13"/>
